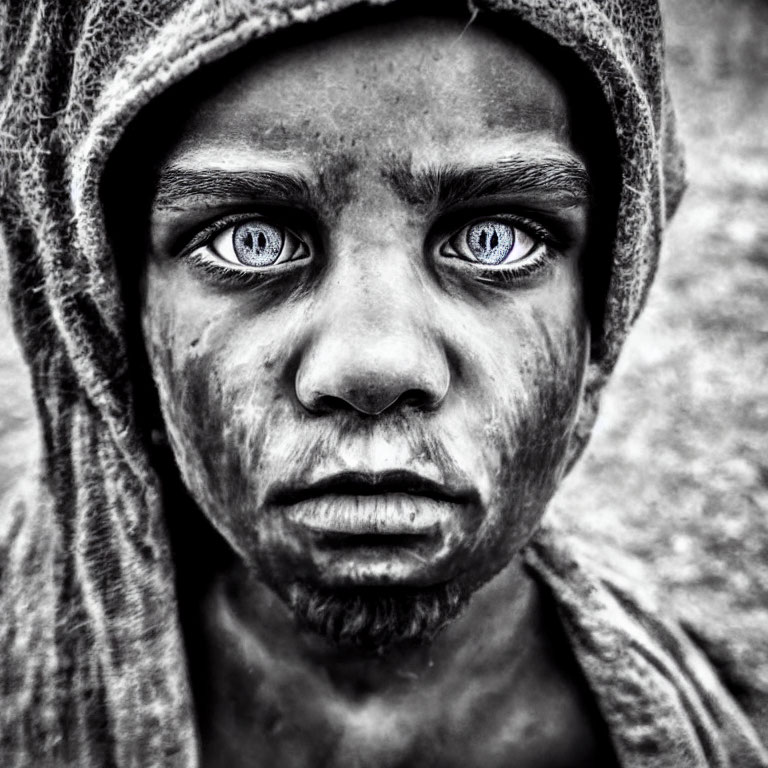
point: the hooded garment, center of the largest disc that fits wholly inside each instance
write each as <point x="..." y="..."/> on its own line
<point x="92" y="666"/>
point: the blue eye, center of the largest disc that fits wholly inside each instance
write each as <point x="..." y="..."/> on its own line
<point x="494" y="243"/>
<point x="491" y="242"/>
<point x="257" y="243"/>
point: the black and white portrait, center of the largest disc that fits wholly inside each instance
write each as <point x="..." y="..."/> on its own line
<point x="384" y="384"/>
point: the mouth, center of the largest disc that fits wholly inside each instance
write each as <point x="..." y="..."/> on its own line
<point x="376" y="528"/>
<point x="372" y="484"/>
<point x="367" y="508"/>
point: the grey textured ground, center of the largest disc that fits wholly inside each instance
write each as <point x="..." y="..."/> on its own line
<point x="677" y="472"/>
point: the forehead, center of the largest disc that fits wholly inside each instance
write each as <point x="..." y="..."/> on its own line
<point x="425" y="87"/>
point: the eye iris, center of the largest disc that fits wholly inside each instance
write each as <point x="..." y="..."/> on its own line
<point x="257" y="244"/>
<point x="491" y="241"/>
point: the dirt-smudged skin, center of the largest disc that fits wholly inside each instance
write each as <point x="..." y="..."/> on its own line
<point x="230" y="441"/>
<point x="378" y="353"/>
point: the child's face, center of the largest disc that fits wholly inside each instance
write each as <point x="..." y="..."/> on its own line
<point x="363" y="308"/>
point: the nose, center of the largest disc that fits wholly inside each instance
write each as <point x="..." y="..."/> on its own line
<point x="373" y="350"/>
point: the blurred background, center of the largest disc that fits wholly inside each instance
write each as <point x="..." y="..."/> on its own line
<point x="677" y="470"/>
<point x="675" y="481"/>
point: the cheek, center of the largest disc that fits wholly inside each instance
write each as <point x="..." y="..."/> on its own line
<point x="219" y="404"/>
<point x="525" y="428"/>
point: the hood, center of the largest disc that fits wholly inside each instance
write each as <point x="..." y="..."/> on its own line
<point x="92" y="635"/>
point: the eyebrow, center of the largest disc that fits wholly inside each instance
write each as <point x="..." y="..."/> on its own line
<point x="175" y="184"/>
<point x="561" y="179"/>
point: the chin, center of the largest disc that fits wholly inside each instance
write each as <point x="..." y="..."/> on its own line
<point x="375" y="620"/>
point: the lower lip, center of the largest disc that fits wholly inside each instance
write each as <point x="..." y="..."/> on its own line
<point x="388" y="514"/>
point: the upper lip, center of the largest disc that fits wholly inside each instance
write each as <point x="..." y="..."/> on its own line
<point x="364" y="483"/>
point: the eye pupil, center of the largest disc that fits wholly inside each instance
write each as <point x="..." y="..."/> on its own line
<point x="491" y="242"/>
<point x="257" y="244"/>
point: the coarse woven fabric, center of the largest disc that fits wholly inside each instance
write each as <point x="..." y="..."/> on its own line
<point x="92" y="669"/>
<point x="660" y="697"/>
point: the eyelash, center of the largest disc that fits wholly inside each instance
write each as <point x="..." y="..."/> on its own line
<point x="208" y="233"/>
<point x="513" y="272"/>
<point x="223" y="273"/>
<point x="548" y="247"/>
<point x="230" y="275"/>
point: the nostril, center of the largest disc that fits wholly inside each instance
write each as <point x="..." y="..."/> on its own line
<point x="418" y="398"/>
<point x="328" y="404"/>
<point x="371" y="403"/>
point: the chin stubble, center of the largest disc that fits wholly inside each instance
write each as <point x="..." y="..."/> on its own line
<point x="374" y="620"/>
